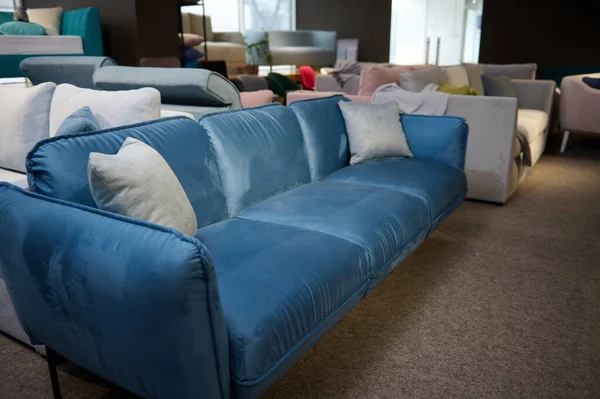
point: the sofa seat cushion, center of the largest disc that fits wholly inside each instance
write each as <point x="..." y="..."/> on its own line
<point x="277" y="286"/>
<point x="16" y="178"/>
<point x="230" y="52"/>
<point x="439" y="186"/>
<point x="382" y="221"/>
<point x="531" y="123"/>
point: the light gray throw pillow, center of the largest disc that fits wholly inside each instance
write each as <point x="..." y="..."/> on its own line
<point x="374" y="131"/>
<point x="137" y="182"/>
<point x="416" y="81"/>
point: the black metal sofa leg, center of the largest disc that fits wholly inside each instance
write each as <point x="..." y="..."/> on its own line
<point x="53" y="359"/>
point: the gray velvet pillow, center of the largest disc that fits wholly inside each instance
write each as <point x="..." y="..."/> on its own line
<point x="498" y="86"/>
<point x="416" y="81"/>
<point x="137" y="182"/>
<point x="374" y="131"/>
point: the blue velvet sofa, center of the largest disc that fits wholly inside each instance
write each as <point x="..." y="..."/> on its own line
<point x="290" y="239"/>
<point x="84" y="22"/>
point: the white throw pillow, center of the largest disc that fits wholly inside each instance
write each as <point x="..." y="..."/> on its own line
<point x="111" y="108"/>
<point x="24" y="120"/>
<point x="374" y="131"/>
<point x="49" y="18"/>
<point x="457" y="75"/>
<point x="137" y="182"/>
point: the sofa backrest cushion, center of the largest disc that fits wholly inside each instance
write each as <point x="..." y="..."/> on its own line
<point x="513" y="71"/>
<point x="111" y="109"/>
<point x="76" y="70"/>
<point x="374" y="76"/>
<point x="24" y="119"/>
<point x="57" y="167"/>
<point x="259" y="153"/>
<point x="182" y="86"/>
<point x="325" y="136"/>
<point x="416" y="81"/>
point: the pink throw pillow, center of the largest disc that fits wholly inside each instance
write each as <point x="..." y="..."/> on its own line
<point x="190" y="39"/>
<point x="256" y="98"/>
<point x="374" y="76"/>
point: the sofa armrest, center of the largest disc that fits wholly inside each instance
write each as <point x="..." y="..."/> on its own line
<point x="84" y="22"/>
<point x="229" y="37"/>
<point x="133" y="302"/>
<point x="535" y="94"/>
<point x="579" y="105"/>
<point x="437" y="138"/>
<point x="492" y="128"/>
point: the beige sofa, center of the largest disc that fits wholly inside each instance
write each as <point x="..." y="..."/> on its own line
<point x="221" y="46"/>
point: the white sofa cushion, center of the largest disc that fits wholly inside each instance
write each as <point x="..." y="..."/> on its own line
<point x="111" y="108"/>
<point x="17" y="178"/>
<point x="457" y="75"/>
<point x="531" y="123"/>
<point x="24" y="114"/>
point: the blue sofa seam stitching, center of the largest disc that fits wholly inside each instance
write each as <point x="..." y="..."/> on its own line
<point x="433" y="224"/>
<point x="369" y="255"/>
<point x="299" y="343"/>
<point x="445" y="213"/>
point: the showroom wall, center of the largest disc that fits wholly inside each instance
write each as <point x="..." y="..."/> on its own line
<point x="549" y="32"/>
<point x="368" y="21"/>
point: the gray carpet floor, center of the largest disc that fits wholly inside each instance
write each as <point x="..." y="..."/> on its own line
<point x="500" y="302"/>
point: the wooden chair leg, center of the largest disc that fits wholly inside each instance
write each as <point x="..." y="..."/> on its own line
<point x="52" y="357"/>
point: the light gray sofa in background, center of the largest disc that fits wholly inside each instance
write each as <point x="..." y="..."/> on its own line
<point x="497" y="161"/>
<point x="300" y="47"/>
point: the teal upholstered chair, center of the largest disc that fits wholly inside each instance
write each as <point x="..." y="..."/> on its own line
<point x="84" y="22"/>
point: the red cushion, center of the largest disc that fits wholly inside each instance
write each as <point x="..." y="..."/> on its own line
<point x="307" y="74"/>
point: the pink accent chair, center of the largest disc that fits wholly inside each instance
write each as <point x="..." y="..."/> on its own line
<point x="579" y="107"/>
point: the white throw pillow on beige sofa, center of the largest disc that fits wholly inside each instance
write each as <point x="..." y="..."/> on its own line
<point x="111" y="108"/>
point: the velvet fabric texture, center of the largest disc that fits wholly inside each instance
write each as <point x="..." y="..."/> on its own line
<point x="374" y="76"/>
<point x="248" y="177"/>
<point x="137" y="182"/>
<point x="277" y="262"/>
<point x="180" y="141"/>
<point x="80" y="121"/>
<point x="324" y="132"/>
<point x="374" y="131"/>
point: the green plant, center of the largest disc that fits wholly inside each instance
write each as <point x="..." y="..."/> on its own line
<point x="260" y="51"/>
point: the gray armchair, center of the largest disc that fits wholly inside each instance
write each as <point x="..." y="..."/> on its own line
<point x="301" y="47"/>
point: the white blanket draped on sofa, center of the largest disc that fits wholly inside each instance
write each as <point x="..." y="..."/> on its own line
<point x="427" y="102"/>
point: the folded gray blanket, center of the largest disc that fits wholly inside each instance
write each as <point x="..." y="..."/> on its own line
<point x="427" y="102"/>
